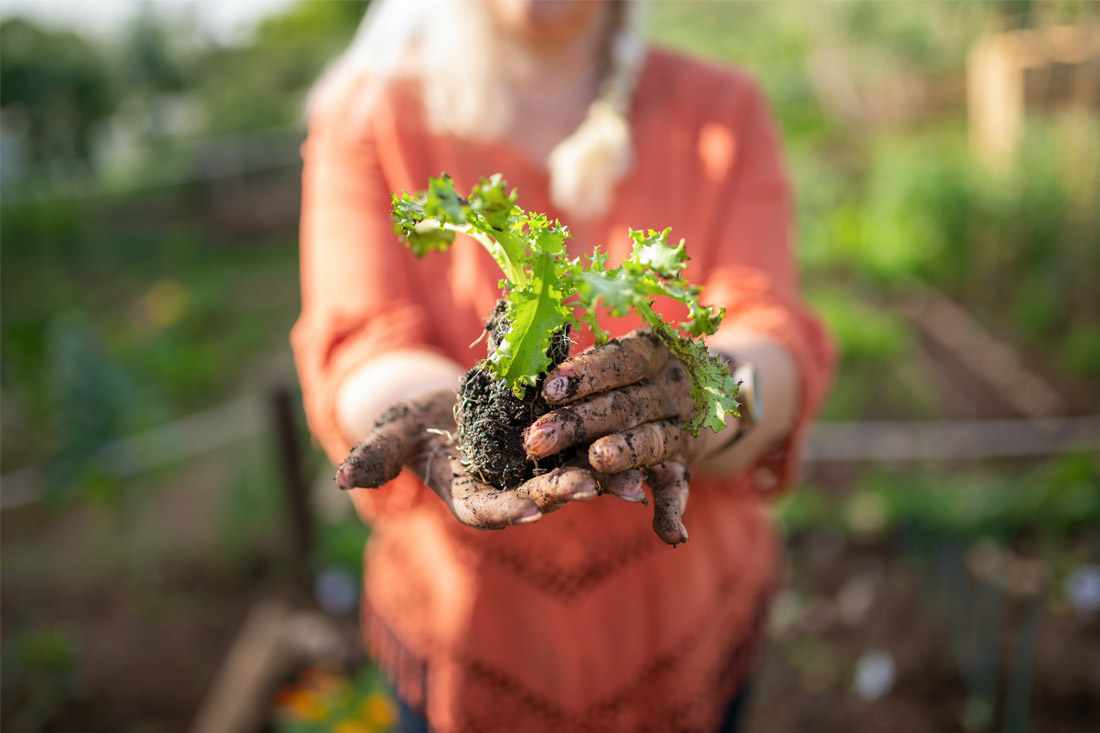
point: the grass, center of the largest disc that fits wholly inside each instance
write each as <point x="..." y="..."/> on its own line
<point x="877" y="374"/>
<point x="110" y="327"/>
<point x="1055" y="501"/>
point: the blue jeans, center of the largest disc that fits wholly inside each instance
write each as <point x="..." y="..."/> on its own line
<point x="409" y="721"/>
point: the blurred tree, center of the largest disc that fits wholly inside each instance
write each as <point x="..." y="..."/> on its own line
<point x="152" y="65"/>
<point x="1014" y="13"/>
<point x="266" y="82"/>
<point x="55" y="87"/>
<point x="150" y="61"/>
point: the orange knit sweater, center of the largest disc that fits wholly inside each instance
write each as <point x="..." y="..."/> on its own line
<point x="584" y="620"/>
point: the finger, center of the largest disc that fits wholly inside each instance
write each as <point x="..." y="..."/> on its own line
<point x="481" y="506"/>
<point x="627" y="485"/>
<point x="551" y="490"/>
<point x="638" y="355"/>
<point x="380" y="456"/>
<point x="669" y="482"/>
<point x="610" y="412"/>
<point x="645" y="445"/>
<point x="398" y="438"/>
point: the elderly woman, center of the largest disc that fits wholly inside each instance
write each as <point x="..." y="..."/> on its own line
<point x="581" y="619"/>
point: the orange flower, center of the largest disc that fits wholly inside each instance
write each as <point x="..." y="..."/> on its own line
<point x="352" y="726"/>
<point x="303" y="704"/>
<point x="378" y="711"/>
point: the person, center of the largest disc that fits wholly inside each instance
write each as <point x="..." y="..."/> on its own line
<point x="580" y="619"/>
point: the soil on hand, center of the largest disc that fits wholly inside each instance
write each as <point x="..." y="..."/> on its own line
<point x="491" y="419"/>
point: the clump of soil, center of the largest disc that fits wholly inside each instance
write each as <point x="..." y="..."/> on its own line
<point x="491" y="419"/>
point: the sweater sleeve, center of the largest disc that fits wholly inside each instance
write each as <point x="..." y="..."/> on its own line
<point x="359" y="293"/>
<point x="753" y="271"/>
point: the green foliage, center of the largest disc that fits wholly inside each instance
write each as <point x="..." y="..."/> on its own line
<point x="54" y="88"/>
<point x="540" y="282"/>
<point x="866" y="333"/>
<point x="39" y="676"/>
<point x="877" y="207"/>
<point x="877" y="376"/>
<point x="535" y="313"/>
<point x="340" y="544"/>
<point x="252" y="511"/>
<point x="1019" y="248"/>
<point x="654" y="270"/>
<point x="92" y="398"/>
<point x="150" y="62"/>
<point x="178" y="318"/>
<point x="529" y="250"/>
<point x="1056" y="500"/>
<point x="265" y="82"/>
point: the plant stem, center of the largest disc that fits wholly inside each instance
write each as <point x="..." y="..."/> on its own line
<point x="513" y="271"/>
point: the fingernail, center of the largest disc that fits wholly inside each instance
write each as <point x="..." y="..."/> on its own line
<point x="634" y="494"/>
<point x="533" y="515"/>
<point x="683" y="533"/>
<point x="584" y="495"/>
<point x="557" y="388"/>
<point x="541" y="441"/>
<point x="343" y="477"/>
<point x="604" y="455"/>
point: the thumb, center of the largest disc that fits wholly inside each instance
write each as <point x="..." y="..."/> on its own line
<point x="380" y="456"/>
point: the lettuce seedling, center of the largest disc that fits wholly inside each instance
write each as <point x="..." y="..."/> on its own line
<point x="546" y="293"/>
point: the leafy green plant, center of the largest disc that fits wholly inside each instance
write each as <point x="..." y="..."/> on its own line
<point x="39" y="676"/>
<point x="540" y="280"/>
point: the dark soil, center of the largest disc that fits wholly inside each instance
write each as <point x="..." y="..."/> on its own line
<point x="805" y="681"/>
<point x="491" y="419"/>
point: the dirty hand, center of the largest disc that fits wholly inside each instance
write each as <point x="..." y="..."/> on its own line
<point x="415" y="434"/>
<point x="630" y="399"/>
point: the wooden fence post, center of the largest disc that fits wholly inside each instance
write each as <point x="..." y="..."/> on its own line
<point x="294" y="483"/>
<point x="1010" y="72"/>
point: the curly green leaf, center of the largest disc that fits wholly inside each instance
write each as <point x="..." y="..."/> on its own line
<point x="534" y="314"/>
<point x="712" y="386"/>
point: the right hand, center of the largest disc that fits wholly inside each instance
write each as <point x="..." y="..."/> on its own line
<point x="415" y="434"/>
<point x="630" y="398"/>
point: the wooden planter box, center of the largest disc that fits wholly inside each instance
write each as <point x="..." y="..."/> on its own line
<point x="1038" y="70"/>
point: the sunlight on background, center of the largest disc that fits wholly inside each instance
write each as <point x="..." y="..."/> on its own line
<point x="224" y="21"/>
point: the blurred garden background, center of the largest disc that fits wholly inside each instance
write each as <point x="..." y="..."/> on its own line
<point x="943" y="549"/>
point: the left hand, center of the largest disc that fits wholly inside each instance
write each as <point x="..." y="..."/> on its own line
<point x="630" y="399"/>
<point x="415" y="434"/>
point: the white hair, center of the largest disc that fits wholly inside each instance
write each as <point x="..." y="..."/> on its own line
<point x="450" y="48"/>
